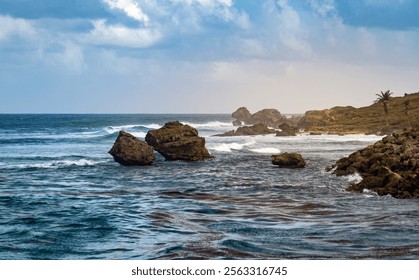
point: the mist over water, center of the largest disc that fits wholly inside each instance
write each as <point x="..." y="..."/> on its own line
<point x="62" y="196"/>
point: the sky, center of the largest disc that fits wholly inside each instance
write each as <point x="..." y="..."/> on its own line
<point x="204" y="56"/>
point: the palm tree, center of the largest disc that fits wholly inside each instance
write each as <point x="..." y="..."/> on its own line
<point x="406" y="105"/>
<point x="384" y="98"/>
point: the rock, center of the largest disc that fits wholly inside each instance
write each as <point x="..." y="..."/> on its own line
<point x="287" y="130"/>
<point x="288" y="160"/>
<point x="242" y="114"/>
<point x="390" y="166"/>
<point x="270" y="117"/>
<point x="176" y="141"/>
<point x="257" y="129"/>
<point x="128" y="150"/>
<point x="237" y="123"/>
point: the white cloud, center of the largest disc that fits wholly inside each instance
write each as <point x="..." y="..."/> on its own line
<point x="291" y="30"/>
<point x="131" y="9"/>
<point x="323" y="7"/>
<point x="119" y="35"/>
<point x="15" y="27"/>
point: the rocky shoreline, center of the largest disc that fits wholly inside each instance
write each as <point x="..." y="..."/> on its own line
<point x="389" y="167"/>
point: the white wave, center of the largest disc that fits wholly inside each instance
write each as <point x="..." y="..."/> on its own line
<point x="228" y="147"/>
<point x="113" y="129"/>
<point x="139" y="134"/>
<point x="354" y="178"/>
<point x="58" y="164"/>
<point x="267" y="150"/>
<point x="209" y="125"/>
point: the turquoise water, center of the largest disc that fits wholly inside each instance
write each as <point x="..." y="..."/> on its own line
<point x="63" y="197"/>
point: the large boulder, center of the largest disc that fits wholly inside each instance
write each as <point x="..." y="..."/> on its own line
<point x="288" y="160"/>
<point x="176" y="141"/>
<point x="128" y="150"/>
<point x="242" y="115"/>
<point x="257" y="129"/>
<point x="270" y="117"/>
<point x="390" y="166"/>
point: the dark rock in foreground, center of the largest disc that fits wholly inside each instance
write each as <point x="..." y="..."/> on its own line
<point x="128" y="150"/>
<point x="257" y="129"/>
<point x="390" y="166"/>
<point x="288" y="160"/>
<point x="176" y="141"/>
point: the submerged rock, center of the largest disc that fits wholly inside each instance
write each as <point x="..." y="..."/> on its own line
<point x="257" y="129"/>
<point x="176" y="141"/>
<point x="128" y="150"/>
<point x="288" y="160"/>
<point x="390" y="166"/>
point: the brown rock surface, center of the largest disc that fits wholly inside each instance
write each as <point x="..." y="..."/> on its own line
<point x="288" y="160"/>
<point x="242" y="114"/>
<point x="176" y="141"/>
<point x="390" y="166"/>
<point x="128" y="150"/>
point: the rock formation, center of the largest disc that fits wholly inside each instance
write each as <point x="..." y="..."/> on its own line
<point x="287" y="130"/>
<point x="242" y="115"/>
<point x="176" y="141"/>
<point x="390" y="166"/>
<point x="128" y="150"/>
<point x="257" y="129"/>
<point x="288" y="160"/>
<point x="270" y="117"/>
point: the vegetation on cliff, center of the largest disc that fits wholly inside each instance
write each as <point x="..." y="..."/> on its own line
<point x="399" y="113"/>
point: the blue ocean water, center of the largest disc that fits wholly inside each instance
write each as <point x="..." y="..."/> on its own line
<point x="62" y="196"/>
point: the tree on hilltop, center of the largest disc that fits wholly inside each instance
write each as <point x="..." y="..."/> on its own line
<point x="384" y="98"/>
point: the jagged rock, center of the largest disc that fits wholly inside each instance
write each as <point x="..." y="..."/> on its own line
<point x="390" y="166"/>
<point x="287" y="130"/>
<point x="242" y="114"/>
<point x="176" y="141"/>
<point x="257" y="129"/>
<point x="128" y="150"/>
<point x="288" y="160"/>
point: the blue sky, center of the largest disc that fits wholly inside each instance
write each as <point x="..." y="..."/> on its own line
<point x="204" y="56"/>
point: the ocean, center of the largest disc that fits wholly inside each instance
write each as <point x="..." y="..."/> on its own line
<point x="62" y="196"/>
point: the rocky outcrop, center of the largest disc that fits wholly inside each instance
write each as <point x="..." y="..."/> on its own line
<point x="128" y="150"/>
<point x="176" y="141"/>
<point x="242" y="115"/>
<point x="270" y="117"/>
<point x="288" y="160"/>
<point x="287" y="130"/>
<point x="257" y="129"/>
<point x="390" y="166"/>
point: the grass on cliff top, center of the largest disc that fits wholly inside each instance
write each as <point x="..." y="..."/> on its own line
<point x="370" y="119"/>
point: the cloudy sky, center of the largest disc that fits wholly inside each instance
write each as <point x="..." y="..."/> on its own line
<point x="204" y="56"/>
